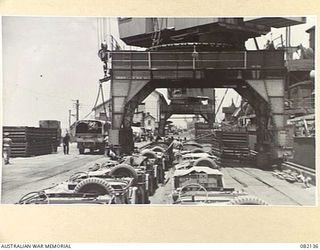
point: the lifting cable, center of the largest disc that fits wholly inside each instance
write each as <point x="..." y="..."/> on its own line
<point x="98" y="38"/>
<point x="101" y="31"/>
<point x="95" y="104"/>
<point x="100" y="90"/>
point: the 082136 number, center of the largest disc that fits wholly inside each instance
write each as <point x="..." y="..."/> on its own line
<point x="309" y="246"/>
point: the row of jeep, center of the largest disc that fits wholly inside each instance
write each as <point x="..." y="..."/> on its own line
<point x="196" y="178"/>
<point x="128" y="180"/>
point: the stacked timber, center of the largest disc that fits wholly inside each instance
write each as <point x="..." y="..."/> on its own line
<point x="31" y="141"/>
<point x="52" y="124"/>
<point x="231" y="145"/>
<point x="203" y="132"/>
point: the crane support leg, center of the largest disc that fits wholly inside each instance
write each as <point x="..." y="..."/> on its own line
<point x="272" y="91"/>
<point x="124" y="101"/>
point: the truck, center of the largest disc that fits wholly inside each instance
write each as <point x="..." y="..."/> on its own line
<point x="92" y="135"/>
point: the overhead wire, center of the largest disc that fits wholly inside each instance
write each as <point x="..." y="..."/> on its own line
<point x="98" y="37"/>
<point x="100" y="33"/>
<point x="109" y="26"/>
<point x="103" y="29"/>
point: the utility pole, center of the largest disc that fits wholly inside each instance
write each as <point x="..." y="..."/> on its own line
<point x="69" y="119"/>
<point x="77" y="110"/>
<point x="77" y="104"/>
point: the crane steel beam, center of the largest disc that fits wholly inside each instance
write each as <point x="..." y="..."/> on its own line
<point x="257" y="75"/>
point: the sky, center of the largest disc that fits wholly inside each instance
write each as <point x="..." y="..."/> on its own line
<point x="49" y="62"/>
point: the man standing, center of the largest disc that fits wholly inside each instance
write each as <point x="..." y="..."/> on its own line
<point x="6" y="147"/>
<point x="66" y="140"/>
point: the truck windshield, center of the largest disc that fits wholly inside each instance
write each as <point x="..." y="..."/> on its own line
<point x="91" y="127"/>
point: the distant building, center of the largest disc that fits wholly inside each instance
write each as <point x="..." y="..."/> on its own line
<point x="139" y="115"/>
<point x="149" y="122"/>
<point x="152" y="104"/>
<point x="228" y="111"/>
<point x="312" y="37"/>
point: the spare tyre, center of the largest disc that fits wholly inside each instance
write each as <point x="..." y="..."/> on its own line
<point x="124" y="170"/>
<point x="198" y="150"/>
<point x="207" y="162"/>
<point x="94" y="185"/>
<point x="149" y="154"/>
<point x="247" y="200"/>
<point x="158" y="149"/>
<point x="193" y="144"/>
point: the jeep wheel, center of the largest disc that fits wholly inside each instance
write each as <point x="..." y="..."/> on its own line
<point x="149" y="154"/>
<point x="94" y="185"/>
<point x="158" y="149"/>
<point x="206" y="162"/>
<point x="247" y="200"/>
<point x="197" y="150"/>
<point x="124" y="170"/>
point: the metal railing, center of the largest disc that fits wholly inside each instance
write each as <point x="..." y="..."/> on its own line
<point x="159" y="60"/>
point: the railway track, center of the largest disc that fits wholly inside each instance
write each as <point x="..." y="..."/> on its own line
<point x="249" y="173"/>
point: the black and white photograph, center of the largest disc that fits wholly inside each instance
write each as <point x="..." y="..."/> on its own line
<point x="159" y="111"/>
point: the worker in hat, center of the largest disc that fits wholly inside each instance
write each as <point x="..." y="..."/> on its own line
<point x="6" y="152"/>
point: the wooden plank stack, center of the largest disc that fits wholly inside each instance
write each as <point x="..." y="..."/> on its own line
<point x="235" y="145"/>
<point x="203" y="133"/>
<point x="231" y="146"/>
<point x="31" y="141"/>
<point x="52" y="124"/>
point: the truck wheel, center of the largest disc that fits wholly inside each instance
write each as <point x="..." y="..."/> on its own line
<point x="124" y="170"/>
<point x="247" y="200"/>
<point x="207" y="162"/>
<point x="94" y="185"/>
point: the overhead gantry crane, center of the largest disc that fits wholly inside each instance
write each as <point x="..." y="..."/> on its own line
<point x="200" y="53"/>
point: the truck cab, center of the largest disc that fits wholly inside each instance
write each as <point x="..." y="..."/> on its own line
<point x="91" y="134"/>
